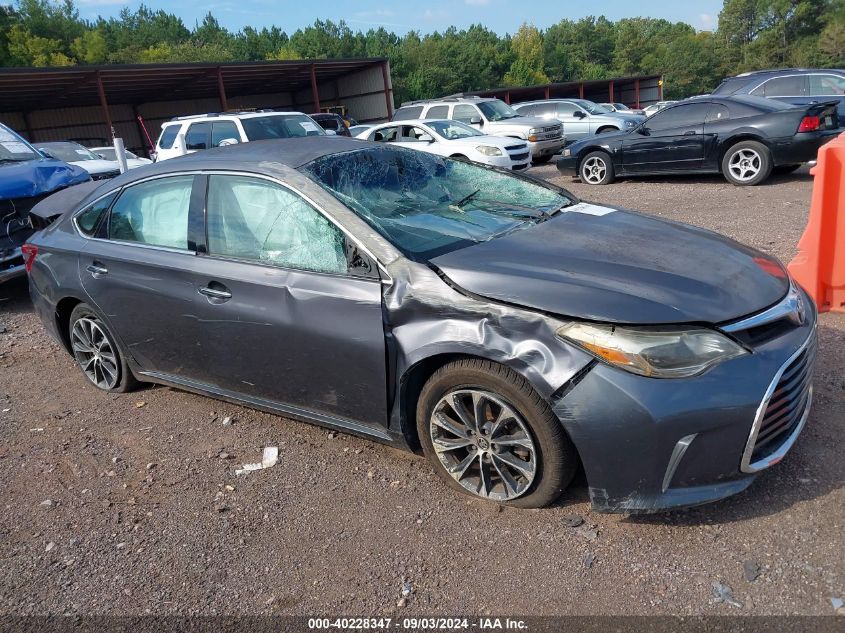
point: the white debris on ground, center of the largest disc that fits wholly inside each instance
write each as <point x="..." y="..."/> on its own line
<point x="268" y="460"/>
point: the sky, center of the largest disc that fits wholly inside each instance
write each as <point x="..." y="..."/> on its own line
<point x="502" y="16"/>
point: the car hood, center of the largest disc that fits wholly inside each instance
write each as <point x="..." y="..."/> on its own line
<point x="603" y="264"/>
<point x="37" y="177"/>
<point x="97" y="166"/>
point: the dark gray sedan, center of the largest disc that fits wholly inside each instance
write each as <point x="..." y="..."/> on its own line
<point x="504" y="328"/>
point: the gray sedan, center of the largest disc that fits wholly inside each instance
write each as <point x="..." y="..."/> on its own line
<point x="503" y="328"/>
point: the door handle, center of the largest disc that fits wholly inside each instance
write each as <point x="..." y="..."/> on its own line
<point x="690" y="133"/>
<point x="216" y="293"/>
<point x="96" y="268"/>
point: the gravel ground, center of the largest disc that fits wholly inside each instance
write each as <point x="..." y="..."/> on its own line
<point x="129" y="504"/>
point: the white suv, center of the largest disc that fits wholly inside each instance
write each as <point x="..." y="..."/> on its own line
<point x="187" y="134"/>
<point x="494" y="117"/>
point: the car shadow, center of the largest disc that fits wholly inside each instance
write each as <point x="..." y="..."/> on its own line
<point x="801" y="175"/>
<point x="814" y="468"/>
<point x="14" y="297"/>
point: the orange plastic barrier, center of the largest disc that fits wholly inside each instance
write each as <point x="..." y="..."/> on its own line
<point x="819" y="265"/>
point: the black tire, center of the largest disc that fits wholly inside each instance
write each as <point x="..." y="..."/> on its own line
<point x="758" y="166"/>
<point x="460" y="157"/>
<point x="124" y="380"/>
<point x="782" y="170"/>
<point x="541" y="160"/>
<point x="596" y="168"/>
<point x="555" y="457"/>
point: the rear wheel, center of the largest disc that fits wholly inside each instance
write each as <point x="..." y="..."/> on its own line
<point x="490" y="435"/>
<point x="596" y="169"/>
<point x="97" y="353"/>
<point x="747" y="163"/>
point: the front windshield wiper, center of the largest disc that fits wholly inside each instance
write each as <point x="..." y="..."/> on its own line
<point x="458" y="206"/>
<point x="14" y="160"/>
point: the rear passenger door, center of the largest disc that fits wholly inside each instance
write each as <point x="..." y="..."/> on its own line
<point x="140" y="270"/>
<point x="198" y="136"/>
<point x="284" y="316"/>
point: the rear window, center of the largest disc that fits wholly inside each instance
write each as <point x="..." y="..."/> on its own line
<point x="410" y="112"/>
<point x="168" y="135"/>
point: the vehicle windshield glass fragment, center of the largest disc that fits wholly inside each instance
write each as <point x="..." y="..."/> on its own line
<point x="13" y="148"/>
<point x="268" y="127"/>
<point x="452" y="130"/>
<point x="427" y="205"/>
<point x="497" y="110"/>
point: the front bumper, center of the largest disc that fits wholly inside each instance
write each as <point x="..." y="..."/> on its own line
<point x="546" y="148"/>
<point x="649" y="444"/>
<point x="506" y="162"/>
<point x="11" y="264"/>
<point x="568" y="165"/>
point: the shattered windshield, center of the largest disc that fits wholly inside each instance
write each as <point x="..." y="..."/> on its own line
<point x="427" y="205"/>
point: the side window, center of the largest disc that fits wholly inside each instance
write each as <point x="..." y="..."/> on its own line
<point x="717" y="113"/>
<point x="168" y="135"/>
<point x="88" y="220"/>
<point x="525" y="110"/>
<point x="153" y="212"/>
<point x="413" y="134"/>
<point x="197" y="136"/>
<point x="545" y="109"/>
<point x="827" y="86"/>
<point x="567" y="109"/>
<point x="386" y="134"/>
<point x="250" y="218"/>
<point x="465" y="113"/>
<point x="438" y="112"/>
<point x="224" y="130"/>
<point x="409" y="112"/>
<point x="794" y="86"/>
<point x="679" y="116"/>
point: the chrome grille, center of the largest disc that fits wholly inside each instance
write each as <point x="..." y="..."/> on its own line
<point x="783" y="411"/>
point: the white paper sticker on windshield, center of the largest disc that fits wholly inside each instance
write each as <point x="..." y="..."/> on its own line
<point x="16" y="147"/>
<point x="309" y="127"/>
<point x="81" y="152"/>
<point x="588" y="209"/>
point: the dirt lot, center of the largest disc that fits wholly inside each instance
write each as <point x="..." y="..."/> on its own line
<point x="129" y="504"/>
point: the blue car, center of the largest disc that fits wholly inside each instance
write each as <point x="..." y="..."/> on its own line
<point x="799" y="86"/>
<point x="26" y="178"/>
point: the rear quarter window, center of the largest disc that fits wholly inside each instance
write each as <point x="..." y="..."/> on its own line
<point x="168" y="136"/>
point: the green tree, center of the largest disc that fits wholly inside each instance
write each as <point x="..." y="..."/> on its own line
<point x="527" y="68"/>
<point x="90" y="47"/>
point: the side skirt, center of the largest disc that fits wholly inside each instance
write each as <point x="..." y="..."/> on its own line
<point x="277" y="408"/>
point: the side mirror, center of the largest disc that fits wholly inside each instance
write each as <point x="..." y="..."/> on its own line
<point x="643" y="130"/>
<point x="578" y="114"/>
<point x="228" y="141"/>
<point x="476" y="120"/>
<point x="425" y="138"/>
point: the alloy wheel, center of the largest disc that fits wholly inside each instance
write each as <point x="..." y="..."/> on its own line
<point x="94" y="353"/>
<point x="594" y="170"/>
<point x="483" y="444"/>
<point x="745" y="164"/>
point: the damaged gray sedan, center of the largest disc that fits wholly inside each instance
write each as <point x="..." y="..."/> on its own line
<point x="507" y="330"/>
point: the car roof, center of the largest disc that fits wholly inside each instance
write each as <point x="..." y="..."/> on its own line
<point x="48" y="143"/>
<point x="231" y="115"/>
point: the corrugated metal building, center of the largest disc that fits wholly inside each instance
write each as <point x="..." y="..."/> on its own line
<point x="87" y="103"/>
<point x="634" y="92"/>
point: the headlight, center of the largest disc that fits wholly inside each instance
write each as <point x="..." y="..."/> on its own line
<point x="535" y="130"/>
<point x="659" y="352"/>
<point x="489" y="150"/>
<point x="567" y="152"/>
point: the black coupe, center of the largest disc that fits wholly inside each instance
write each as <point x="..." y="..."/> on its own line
<point x="745" y="138"/>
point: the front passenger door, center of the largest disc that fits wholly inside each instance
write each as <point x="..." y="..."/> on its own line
<point x="671" y="140"/>
<point x="286" y="317"/>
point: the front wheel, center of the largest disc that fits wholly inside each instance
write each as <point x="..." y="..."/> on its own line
<point x="596" y="169"/>
<point x="747" y="163"/>
<point x="488" y="434"/>
<point x="97" y="353"/>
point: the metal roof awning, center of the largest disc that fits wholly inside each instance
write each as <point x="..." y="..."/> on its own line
<point x="23" y="89"/>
